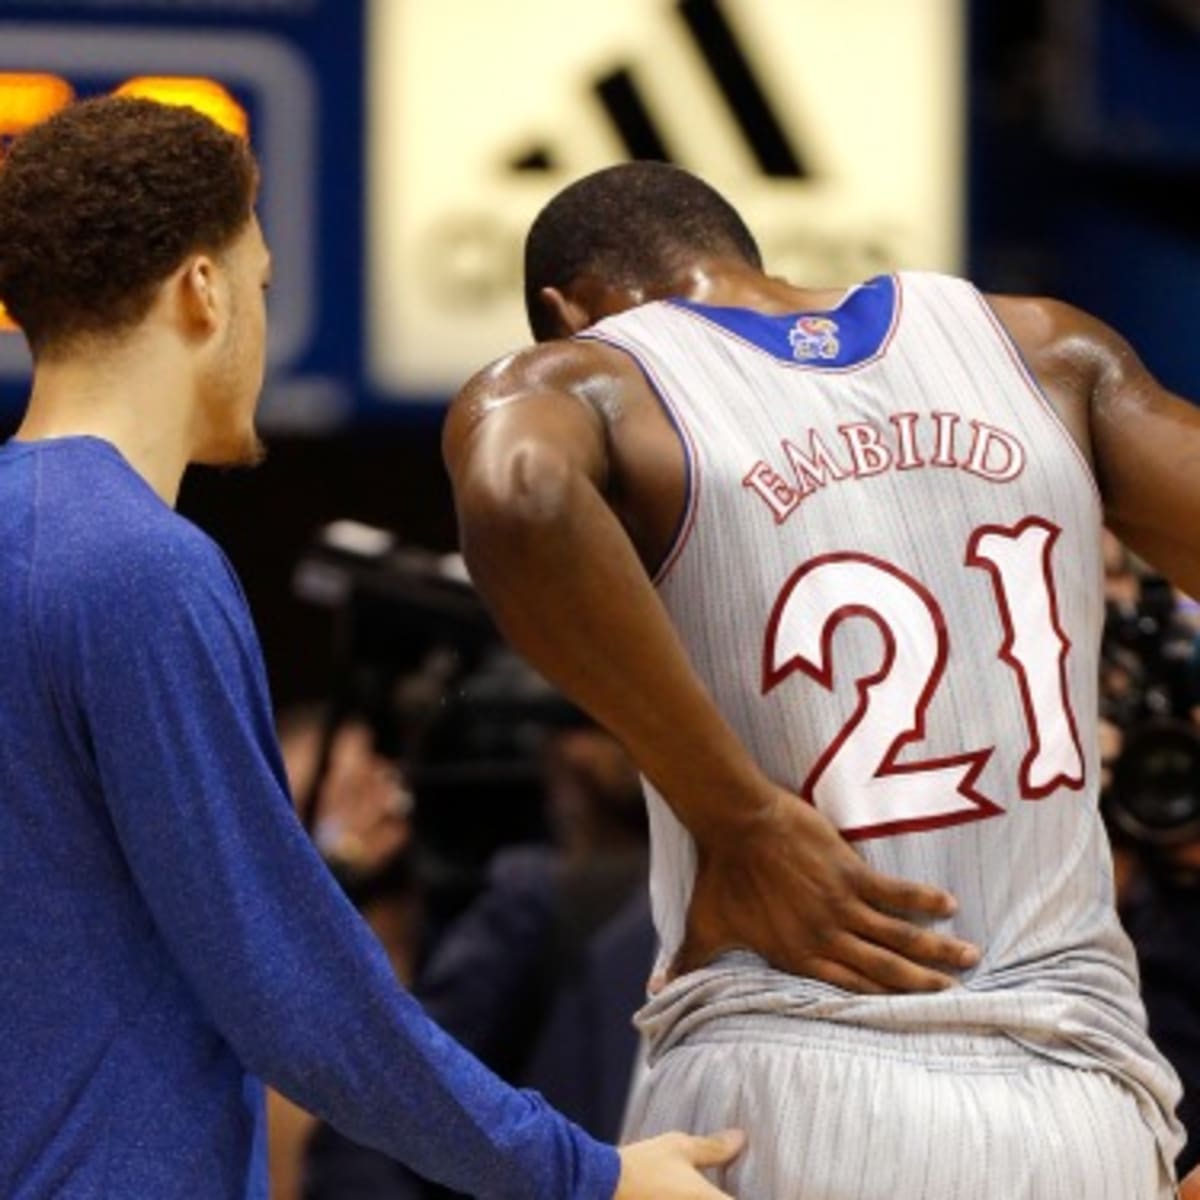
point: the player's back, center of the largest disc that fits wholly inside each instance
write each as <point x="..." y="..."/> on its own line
<point x="888" y="575"/>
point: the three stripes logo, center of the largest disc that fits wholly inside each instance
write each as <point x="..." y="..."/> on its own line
<point x="776" y="102"/>
<point x="619" y="94"/>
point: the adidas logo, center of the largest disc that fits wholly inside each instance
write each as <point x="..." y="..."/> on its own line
<point x="831" y="127"/>
<point x="730" y="69"/>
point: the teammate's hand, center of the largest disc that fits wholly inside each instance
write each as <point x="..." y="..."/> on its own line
<point x="1189" y="1189"/>
<point x="667" y="1167"/>
<point x="792" y="889"/>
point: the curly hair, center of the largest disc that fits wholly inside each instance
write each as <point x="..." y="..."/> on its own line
<point x="100" y="203"/>
<point x="632" y="223"/>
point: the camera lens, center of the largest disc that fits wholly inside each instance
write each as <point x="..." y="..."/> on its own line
<point x="1155" y="796"/>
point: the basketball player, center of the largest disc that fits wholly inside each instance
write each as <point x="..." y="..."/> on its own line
<point x="843" y="548"/>
<point x="167" y="932"/>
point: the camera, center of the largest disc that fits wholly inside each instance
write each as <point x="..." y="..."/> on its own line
<point x="1154" y="799"/>
<point x="418" y="658"/>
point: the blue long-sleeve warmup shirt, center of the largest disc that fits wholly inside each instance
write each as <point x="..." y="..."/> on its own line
<point x="168" y="936"/>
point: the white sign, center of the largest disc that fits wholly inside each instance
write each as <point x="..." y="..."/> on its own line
<point x="834" y="128"/>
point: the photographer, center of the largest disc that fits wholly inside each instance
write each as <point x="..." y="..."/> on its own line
<point x="1150" y="752"/>
<point x="1153" y="808"/>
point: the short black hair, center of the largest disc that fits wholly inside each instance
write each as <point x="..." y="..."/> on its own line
<point x="100" y="203"/>
<point x="632" y="223"/>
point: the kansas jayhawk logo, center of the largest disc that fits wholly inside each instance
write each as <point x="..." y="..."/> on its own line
<point x="814" y="337"/>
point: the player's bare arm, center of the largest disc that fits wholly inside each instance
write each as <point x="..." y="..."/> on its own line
<point x="558" y="544"/>
<point x="1143" y="442"/>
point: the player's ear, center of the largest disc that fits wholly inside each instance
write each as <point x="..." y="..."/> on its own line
<point x="200" y="294"/>
<point x="568" y="316"/>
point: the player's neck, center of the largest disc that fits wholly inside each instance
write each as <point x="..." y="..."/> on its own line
<point x="730" y="283"/>
<point x="128" y="397"/>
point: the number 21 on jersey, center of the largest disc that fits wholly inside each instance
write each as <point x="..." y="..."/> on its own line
<point x="857" y="781"/>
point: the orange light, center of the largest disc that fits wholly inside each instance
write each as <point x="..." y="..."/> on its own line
<point x="204" y="95"/>
<point x="7" y="324"/>
<point x="27" y="99"/>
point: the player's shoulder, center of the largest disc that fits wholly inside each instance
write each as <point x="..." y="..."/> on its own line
<point x="589" y="376"/>
<point x="1048" y="326"/>
<point x="102" y="533"/>
<point x="1044" y="319"/>
<point x="1067" y="343"/>
<point x="567" y="364"/>
<point x="1038" y="320"/>
<point x="164" y="549"/>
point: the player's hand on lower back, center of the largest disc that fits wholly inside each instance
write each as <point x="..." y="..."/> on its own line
<point x="792" y="889"/>
<point x="668" y="1167"/>
<point x="1190" y="1188"/>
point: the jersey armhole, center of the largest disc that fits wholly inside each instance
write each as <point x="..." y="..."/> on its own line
<point x="691" y="462"/>
<point x="1032" y="382"/>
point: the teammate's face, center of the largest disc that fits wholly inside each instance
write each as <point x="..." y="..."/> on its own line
<point x="233" y="378"/>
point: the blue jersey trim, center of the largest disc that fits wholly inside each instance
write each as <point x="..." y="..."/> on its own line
<point x="852" y="333"/>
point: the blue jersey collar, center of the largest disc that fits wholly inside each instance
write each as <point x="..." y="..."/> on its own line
<point x="853" y="333"/>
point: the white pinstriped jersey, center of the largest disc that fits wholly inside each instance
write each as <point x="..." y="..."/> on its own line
<point x="888" y="576"/>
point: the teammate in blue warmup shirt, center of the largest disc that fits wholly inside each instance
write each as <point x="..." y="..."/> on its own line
<point x="167" y="933"/>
